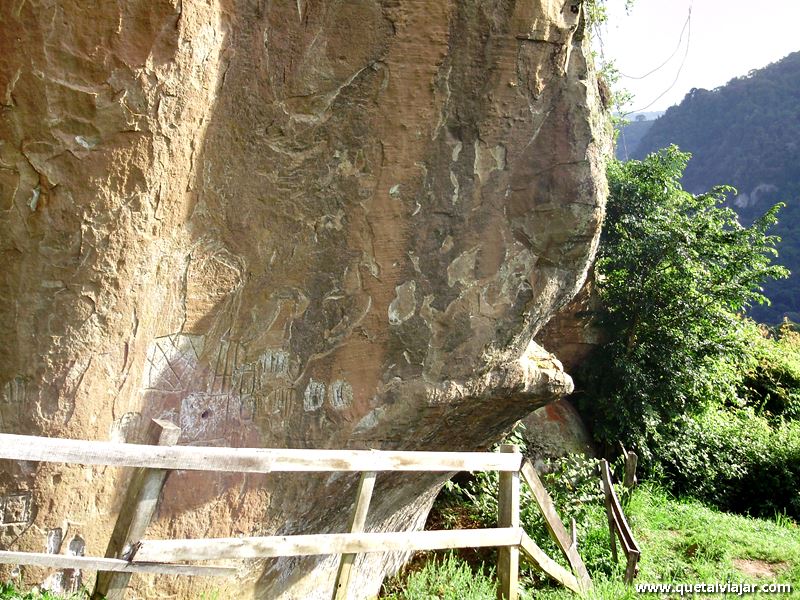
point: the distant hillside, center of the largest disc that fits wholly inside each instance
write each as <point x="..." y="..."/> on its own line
<point x="631" y="133"/>
<point x="630" y="136"/>
<point x="746" y="134"/>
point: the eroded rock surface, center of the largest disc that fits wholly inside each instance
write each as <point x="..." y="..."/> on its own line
<point x="282" y="224"/>
<point x="574" y="332"/>
<point x="555" y="431"/>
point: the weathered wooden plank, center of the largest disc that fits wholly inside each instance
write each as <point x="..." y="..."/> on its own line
<point x="628" y="544"/>
<point x="605" y="477"/>
<point x="327" y="543"/>
<point x="554" y="524"/>
<point x="137" y="511"/>
<point x="630" y="569"/>
<point x="625" y="533"/>
<point x="90" y="563"/>
<point x="548" y="566"/>
<point x="357" y="523"/>
<point x="619" y="525"/>
<point x="508" y="516"/>
<point x="631" y="460"/>
<point x="616" y="532"/>
<point x="247" y="460"/>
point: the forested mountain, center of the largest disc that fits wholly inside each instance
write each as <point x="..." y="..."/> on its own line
<point x="745" y="134"/>
<point x="630" y="136"/>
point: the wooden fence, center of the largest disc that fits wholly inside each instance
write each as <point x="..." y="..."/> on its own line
<point x="129" y="552"/>
<point x="617" y="523"/>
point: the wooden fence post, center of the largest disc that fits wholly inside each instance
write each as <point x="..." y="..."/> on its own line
<point x="631" y="460"/>
<point x="605" y="477"/>
<point x="137" y="511"/>
<point x="357" y="523"/>
<point x="630" y="568"/>
<point x="508" y="516"/>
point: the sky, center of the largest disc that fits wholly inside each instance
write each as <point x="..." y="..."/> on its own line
<point x="725" y="39"/>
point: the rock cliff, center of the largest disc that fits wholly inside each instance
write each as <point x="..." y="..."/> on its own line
<point x="282" y="224"/>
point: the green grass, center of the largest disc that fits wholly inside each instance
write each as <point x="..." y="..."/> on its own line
<point x="444" y="577"/>
<point x="9" y="592"/>
<point x="687" y="541"/>
<point x="682" y="541"/>
<point x="721" y="537"/>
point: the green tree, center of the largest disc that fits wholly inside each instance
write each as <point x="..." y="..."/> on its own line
<point x="674" y="273"/>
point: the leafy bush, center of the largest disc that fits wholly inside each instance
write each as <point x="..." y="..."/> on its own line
<point x="772" y="484"/>
<point x="772" y="384"/>
<point x="734" y="459"/>
<point x="742" y="451"/>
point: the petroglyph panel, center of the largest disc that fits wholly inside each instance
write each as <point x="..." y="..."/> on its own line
<point x="14" y="391"/>
<point x="314" y="396"/>
<point x="227" y="357"/>
<point x="248" y="409"/>
<point x="215" y="401"/>
<point x="171" y="362"/>
<point x="245" y="380"/>
<point x="253" y="380"/>
<point x="278" y="408"/>
<point x="15" y="509"/>
<point x="281" y="401"/>
<point x="341" y="395"/>
<point x="13" y="397"/>
<point x="54" y="538"/>
<point x="73" y="578"/>
<point x="274" y="364"/>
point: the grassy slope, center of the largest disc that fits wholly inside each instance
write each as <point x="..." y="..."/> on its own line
<point x="682" y="542"/>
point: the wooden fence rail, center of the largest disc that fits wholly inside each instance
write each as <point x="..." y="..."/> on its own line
<point x="558" y="532"/>
<point x="247" y="460"/>
<point x="61" y="561"/>
<point x="167" y="551"/>
<point x="618" y="524"/>
<point x="129" y="552"/>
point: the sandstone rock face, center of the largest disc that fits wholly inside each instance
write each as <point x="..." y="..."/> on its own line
<point x="573" y="333"/>
<point x="555" y="431"/>
<point x="282" y="224"/>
